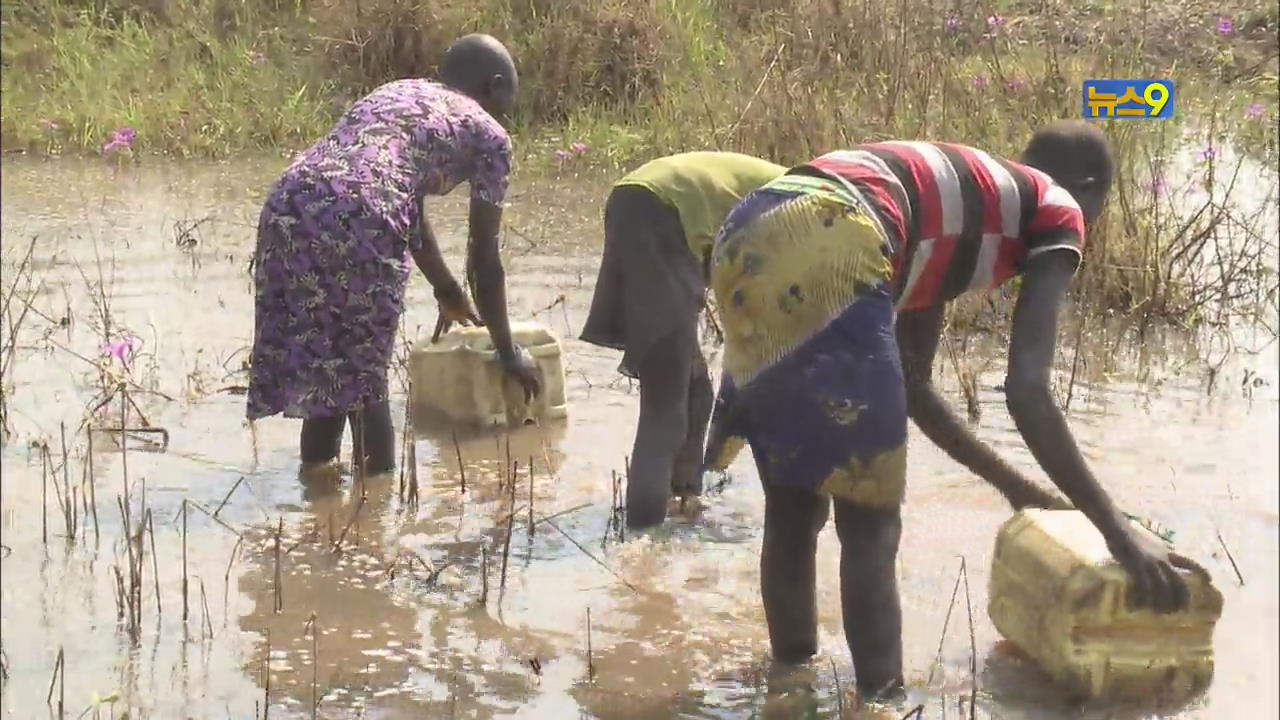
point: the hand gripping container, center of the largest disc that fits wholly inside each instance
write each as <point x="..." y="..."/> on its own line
<point x="459" y="378"/>
<point x="1057" y="594"/>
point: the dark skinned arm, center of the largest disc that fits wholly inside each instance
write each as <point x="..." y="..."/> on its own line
<point x="431" y="262"/>
<point x="918" y="334"/>
<point x="1044" y="428"/>
<point x="487" y="277"/>
<point x="1037" y="417"/>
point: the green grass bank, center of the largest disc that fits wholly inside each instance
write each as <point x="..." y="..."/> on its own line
<point x="783" y="79"/>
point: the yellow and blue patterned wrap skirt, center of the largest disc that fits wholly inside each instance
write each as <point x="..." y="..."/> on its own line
<point x="802" y="276"/>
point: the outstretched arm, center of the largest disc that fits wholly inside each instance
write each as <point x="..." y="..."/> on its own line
<point x="918" y="335"/>
<point x="453" y="302"/>
<point x="1044" y="428"/>
<point x="487" y="278"/>
<point x="1038" y="419"/>
<point x="488" y="281"/>
<point x="428" y="258"/>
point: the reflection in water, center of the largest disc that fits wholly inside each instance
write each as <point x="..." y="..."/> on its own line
<point x="677" y="629"/>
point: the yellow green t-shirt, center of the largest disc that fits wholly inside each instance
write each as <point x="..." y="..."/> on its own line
<point x="702" y="187"/>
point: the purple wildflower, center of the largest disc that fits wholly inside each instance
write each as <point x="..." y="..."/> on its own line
<point x="1225" y="26"/>
<point x="981" y="82"/>
<point x="995" y="22"/>
<point x="1017" y="85"/>
<point x="121" y="139"/>
<point x="1158" y="185"/>
<point x="1256" y="110"/>
<point x="562" y="155"/>
<point x="123" y="348"/>
<point x="1208" y="153"/>
<point x="578" y="148"/>
<point x="953" y="25"/>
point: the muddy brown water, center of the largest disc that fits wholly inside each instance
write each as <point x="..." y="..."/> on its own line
<point x="677" y="627"/>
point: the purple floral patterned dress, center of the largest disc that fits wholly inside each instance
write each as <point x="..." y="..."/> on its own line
<point x="334" y="237"/>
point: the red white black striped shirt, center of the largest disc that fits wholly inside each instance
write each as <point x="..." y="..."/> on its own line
<point x="958" y="219"/>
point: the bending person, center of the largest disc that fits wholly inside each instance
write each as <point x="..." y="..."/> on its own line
<point x="334" y="240"/>
<point x="659" y="223"/>
<point x="809" y="274"/>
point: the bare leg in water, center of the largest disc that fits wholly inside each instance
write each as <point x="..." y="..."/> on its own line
<point x="788" y="569"/>
<point x="665" y="373"/>
<point x="372" y="438"/>
<point x="686" y="480"/>
<point x="868" y="583"/>
<point x="869" y="595"/>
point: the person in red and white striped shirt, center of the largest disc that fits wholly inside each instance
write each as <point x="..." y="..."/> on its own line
<point x="828" y="277"/>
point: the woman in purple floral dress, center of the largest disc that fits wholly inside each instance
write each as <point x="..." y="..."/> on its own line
<point x="336" y="234"/>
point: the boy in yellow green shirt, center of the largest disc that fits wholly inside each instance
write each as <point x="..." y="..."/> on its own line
<point x="660" y="223"/>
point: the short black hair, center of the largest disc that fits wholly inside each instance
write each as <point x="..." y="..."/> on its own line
<point x="1076" y="154"/>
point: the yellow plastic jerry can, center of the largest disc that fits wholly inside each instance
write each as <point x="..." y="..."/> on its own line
<point x="460" y="380"/>
<point x="1059" y="596"/>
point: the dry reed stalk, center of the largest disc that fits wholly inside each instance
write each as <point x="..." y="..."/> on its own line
<point x="124" y="442"/>
<point x="835" y="676"/>
<point x="84" y="503"/>
<point x="591" y="666"/>
<point x="226" y="497"/>
<point x="405" y="441"/>
<point x="973" y="644"/>
<point x="120" y="602"/>
<point x="1075" y="359"/>
<point x="598" y="561"/>
<point x="531" y="520"/>
<point x="226" y="580"/>
<point x="337" y="545"/>
<point x="44" y="496"/>
<point x="278" y="590"/>
<point x="185" y="604"/>
<point x="613" y="508"/>
<point x="48" y="470"/>
<point x="266" y="679"/>
<point x="622" y="499"/>
<point x="68" y="510"/>
<point x="315" y="667"/>
<point x="506" y="541"/>
<point x="208" y="623"/>
<point x="213" y="517"/>
<point x="1230" y="557"/>
<point x="59" y="677"/>
<point x="507" y="466"/>
<point x="134" y="580"/>
<point x="462" y="470"/>
<point x="414" y="496"/>
<point x="155" y="563"/>
<point x="313" y="534"/>
<point x="946" y="621"/>
<point x="93" y="485"/>
<point x="484" y="576"/>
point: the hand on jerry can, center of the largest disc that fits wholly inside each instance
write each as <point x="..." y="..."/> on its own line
<point x="454" y="307"/>
<point x="1153" y="567"/>
<point x="522" y="368"/>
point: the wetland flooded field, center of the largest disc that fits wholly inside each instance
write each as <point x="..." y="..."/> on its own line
<point x="243" y="596"/>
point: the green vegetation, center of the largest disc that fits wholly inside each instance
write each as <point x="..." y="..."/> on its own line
<point x="634" y="78"/>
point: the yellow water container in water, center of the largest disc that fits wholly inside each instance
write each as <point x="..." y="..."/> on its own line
<point x="459" y="378"/>
<point x="1059" y="596"/>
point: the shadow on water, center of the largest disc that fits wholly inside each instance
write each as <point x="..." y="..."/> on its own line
<point x="371" y="596"/>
